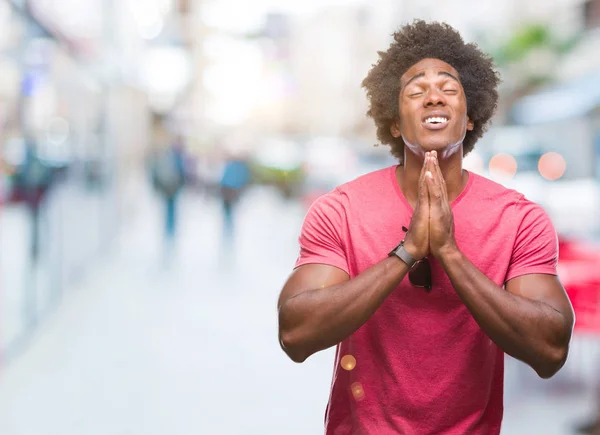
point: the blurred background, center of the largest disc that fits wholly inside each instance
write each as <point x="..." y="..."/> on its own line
<point x="158" y="157"/>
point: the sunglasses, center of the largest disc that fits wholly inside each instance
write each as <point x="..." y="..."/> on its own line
<point x="420" y="274"/>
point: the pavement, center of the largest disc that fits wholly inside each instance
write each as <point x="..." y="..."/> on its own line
<point x="183" y="340"/>
<point x="74" y="224"/>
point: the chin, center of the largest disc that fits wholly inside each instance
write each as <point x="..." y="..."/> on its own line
<point x="434" y="146"/>
<point x="445" y="147"/>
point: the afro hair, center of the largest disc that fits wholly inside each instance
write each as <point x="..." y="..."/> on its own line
<point x="413" y="43"/>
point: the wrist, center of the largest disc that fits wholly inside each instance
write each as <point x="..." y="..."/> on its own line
<point x="404" y="255"/>
<point x="448" y="253"/>
<point x="412" y="250"/>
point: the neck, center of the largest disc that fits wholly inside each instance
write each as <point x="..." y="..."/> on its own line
<point x="451" y="167"/>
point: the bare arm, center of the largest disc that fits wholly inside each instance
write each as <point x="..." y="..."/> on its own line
<point x="531" y="321"/>
<point x="320" y="306"/>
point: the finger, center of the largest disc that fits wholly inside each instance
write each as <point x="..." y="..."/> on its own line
<point x="423" y="168"/>
<point x="436" y="164"/>
<point x="440" y="177"/>
<point x="431" y="167"/>
<point x="434" y="187"/>
<point x="423" y="193"/>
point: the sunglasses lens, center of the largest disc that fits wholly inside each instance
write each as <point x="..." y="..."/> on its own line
<point x="420" y="276"/>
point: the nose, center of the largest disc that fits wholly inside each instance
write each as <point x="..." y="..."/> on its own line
<point x="434" y="98"/>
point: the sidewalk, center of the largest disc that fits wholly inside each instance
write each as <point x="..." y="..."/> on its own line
<point x="144" y="347"/>
<point x="140" y="348"/>
<point x="72" y="226"/>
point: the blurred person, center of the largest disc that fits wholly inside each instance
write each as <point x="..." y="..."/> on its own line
<point x="168" y="177"/>
<point x="32" y="181"/>
<point x="235" y="178"/>
<point x="424" y="274"/>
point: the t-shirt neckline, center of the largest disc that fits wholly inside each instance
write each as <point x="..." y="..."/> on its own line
<point x="405" y="201"/>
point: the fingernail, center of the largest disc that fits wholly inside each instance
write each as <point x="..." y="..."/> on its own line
<point x="428" y="174"/>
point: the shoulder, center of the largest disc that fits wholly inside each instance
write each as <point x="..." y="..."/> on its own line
<point x="521" y="208"/>
<point x="336" y="202"/>
<point x="330" y="201"/>
<point x="531" y="213"/>
<point x="489" y="190"/>
<point x="368" y="183"/>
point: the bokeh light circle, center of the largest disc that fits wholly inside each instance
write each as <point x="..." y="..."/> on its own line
<point x="357" y="391"/>
<point x="503" y="165"/>
<point x="552" y="166"/>
<point x="348" y="362"/>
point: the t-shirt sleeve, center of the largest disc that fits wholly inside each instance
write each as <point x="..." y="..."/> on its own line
<point x="321" y="238"/>
<point x="536" y="245"/>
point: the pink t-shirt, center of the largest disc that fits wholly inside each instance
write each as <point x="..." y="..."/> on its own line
<point x="423" y="365"/>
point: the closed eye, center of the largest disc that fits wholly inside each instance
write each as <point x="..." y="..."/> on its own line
<point x="416" y="94"/>
<point x="449" y="91"/>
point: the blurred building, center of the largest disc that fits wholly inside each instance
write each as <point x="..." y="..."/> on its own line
<point x="76" y="84"/>
<point x="293" y="70"/>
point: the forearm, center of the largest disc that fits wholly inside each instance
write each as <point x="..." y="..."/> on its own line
<point x="318" y="319"/>
<point x="528" y="330"/>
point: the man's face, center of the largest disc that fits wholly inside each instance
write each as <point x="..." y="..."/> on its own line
<point x="433" y="108"/>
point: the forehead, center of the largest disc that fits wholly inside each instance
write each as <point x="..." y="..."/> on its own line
<point x="428" y="67"/>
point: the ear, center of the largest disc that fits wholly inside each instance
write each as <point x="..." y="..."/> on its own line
<point x="470" y="124"/>
<point x="395" y="129"/>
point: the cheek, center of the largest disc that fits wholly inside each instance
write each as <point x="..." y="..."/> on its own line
<point x="407" y="121"/>
<point x="461" y="110"/>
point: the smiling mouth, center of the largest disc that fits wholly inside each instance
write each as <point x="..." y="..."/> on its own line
<point x="436" y="120"/>
<point x="433" y="123"/>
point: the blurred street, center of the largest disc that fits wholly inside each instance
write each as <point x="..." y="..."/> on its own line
<point x="73" y="227"/>
<point x="189" y="346"/>
<point x="145" y="347"/>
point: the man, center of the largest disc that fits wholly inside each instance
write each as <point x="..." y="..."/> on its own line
<point x="33" y="180"/>
<point x="168" y="177"/>
<point x="424" y="274"/>
<point x="234" y="180"/>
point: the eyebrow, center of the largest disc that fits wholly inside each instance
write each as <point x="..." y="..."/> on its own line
<point x="422" y="74"/>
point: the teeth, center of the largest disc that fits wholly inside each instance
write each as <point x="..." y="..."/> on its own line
<point x="436" y="119"/>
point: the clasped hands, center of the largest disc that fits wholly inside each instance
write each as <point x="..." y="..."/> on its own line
<point x="431" y="229"/>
